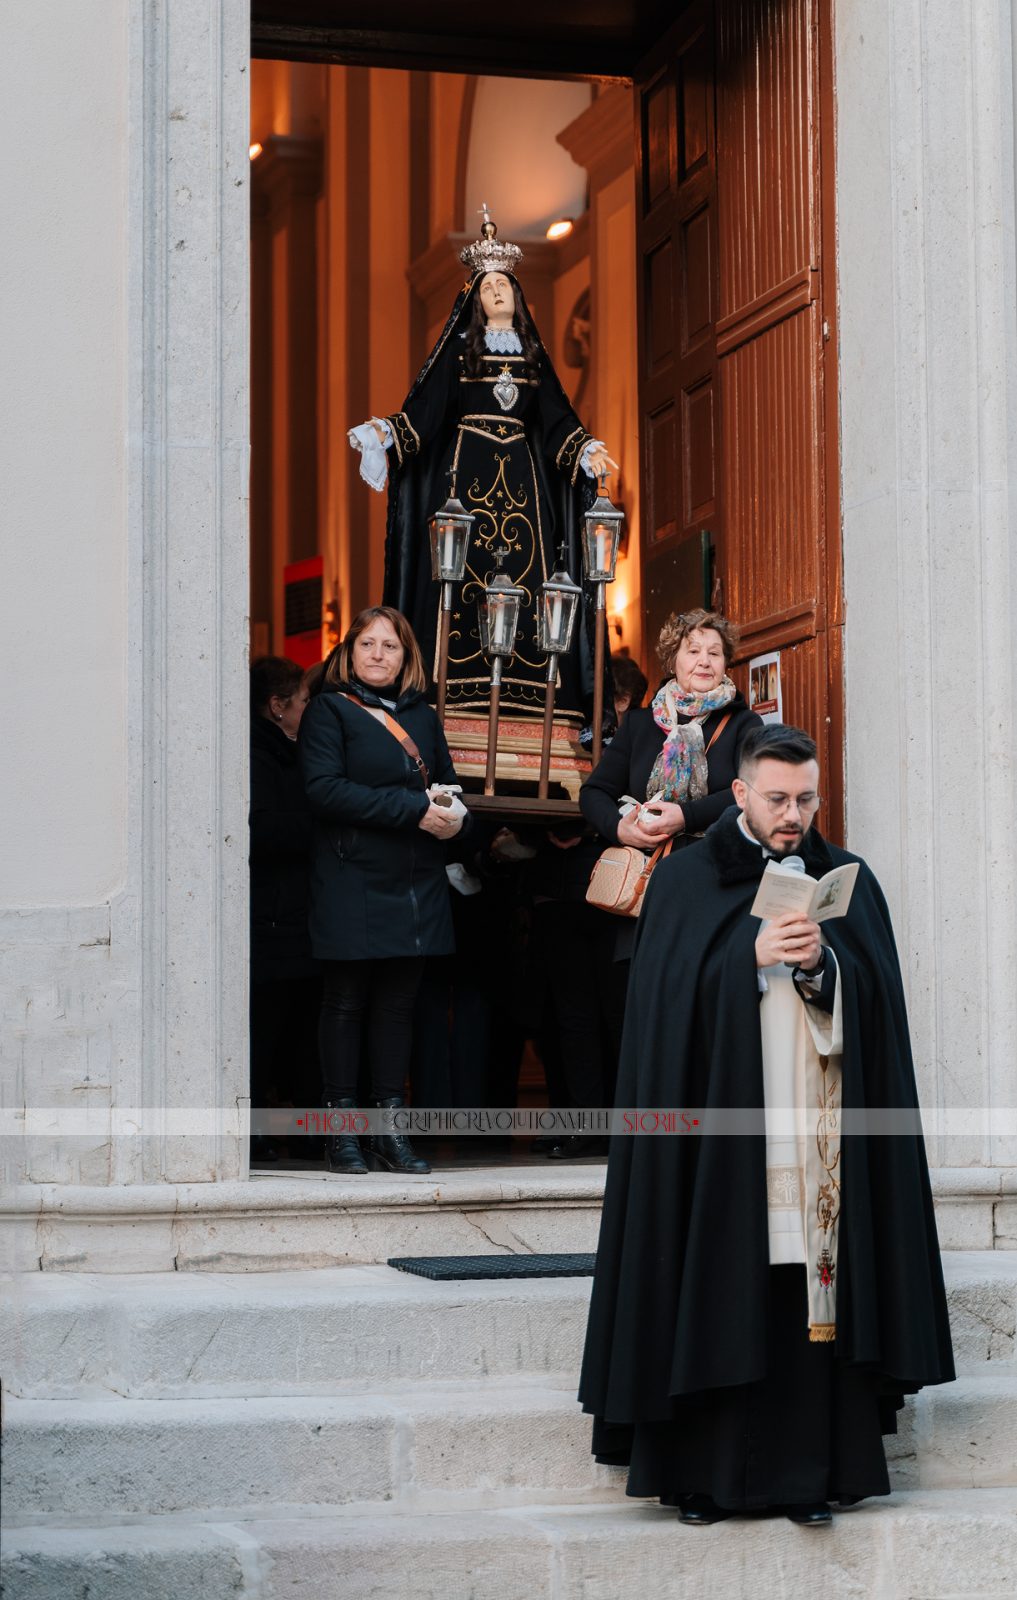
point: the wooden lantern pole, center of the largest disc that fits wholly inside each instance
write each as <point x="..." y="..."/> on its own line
<point x="492" y="726"/>
<point x="545" y="740"/>
<point x="599" y="638"/>
<point x="444" y="623"/>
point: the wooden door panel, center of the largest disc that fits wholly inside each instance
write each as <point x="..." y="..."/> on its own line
<point x="770" y="350"/>
<point x="661" y="456"/>
<point x="734" y="394"/>
<point x="679" y="407"/>
<point x="658" y="299"/>
<point x="771" y="423"/>
<point x="699" y="436"/>
<point x="658" y="140"/>
<point x="697" y="277"/>
<point x="694" y="82"/>
<point x="767" y="133"/>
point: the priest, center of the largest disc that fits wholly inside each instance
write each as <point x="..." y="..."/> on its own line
<point x="768" y="1284"/>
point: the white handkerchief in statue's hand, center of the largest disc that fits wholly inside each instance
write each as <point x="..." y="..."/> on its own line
<point x="373" y="466"/>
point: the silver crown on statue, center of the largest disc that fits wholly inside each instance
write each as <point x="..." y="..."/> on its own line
<point x="489" y="253"/>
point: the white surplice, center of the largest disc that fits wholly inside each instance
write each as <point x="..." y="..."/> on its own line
<point x="801" y="1048"/>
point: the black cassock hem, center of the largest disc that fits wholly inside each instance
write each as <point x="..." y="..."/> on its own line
<point x="810" y="1430"/>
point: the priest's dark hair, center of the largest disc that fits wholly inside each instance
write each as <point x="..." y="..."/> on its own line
<point x="776" y="741"/>
<point x="474" y="347"/>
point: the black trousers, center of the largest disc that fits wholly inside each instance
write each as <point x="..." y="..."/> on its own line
<point x="565" y="937"/>
<point x="284" y="1041"/>
<point x="368" y="1002"/>
<point x="810" y="1430"/>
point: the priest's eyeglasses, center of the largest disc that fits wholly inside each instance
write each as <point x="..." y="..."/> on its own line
<point x="780" y="802"/>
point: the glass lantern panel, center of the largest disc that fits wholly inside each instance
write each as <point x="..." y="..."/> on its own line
<point x="556" y="621"/>
<point x="449" y="538"/>
<point x="503" y="618"/>
<point x="601" y="547"/>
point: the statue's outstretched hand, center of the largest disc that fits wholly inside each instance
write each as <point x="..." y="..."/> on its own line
<point x="370" y="439"/>
<point x="600" y="461"/>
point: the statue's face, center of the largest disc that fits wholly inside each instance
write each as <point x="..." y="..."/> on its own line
<point x="497" y="296"/>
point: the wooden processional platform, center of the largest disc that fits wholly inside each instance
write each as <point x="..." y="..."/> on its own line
<point x="518" y="767"/>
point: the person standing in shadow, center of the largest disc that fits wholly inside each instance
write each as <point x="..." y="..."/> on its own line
<point x="285" y="980"/>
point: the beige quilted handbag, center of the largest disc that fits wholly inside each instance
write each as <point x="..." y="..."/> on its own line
<point x="619" y="878"/>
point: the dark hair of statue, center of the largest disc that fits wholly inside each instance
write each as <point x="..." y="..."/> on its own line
<point x="776" y="741"/>
<point x="273" y="675"/>
<point x="474" y="348"/>
<point x="340" y="664"/>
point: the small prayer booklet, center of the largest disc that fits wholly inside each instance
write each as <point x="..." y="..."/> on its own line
<point x="781" y="889"/>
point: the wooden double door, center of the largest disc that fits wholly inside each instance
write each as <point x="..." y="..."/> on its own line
<point x="737" y="345"/>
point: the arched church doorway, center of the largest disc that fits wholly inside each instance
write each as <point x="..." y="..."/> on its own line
<point x="720" y="125"/>
<point x="689" y="308"/>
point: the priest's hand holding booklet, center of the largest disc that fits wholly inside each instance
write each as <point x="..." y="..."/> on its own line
<point x="792" y="905"/>
<point x="783" y="890"/>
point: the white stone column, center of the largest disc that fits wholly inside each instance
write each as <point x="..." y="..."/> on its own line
<point x="188" y="376"/>
<point x="928" y="400"/>
<point x="131" y="991"/>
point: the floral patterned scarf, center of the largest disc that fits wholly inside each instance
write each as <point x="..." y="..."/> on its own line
<point x="680" y="771"/>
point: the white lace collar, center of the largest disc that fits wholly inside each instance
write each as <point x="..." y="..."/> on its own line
<point x="503" y="341"/>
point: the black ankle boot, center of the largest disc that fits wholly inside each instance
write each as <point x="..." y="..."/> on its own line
<point x="393" y="1150"/>
<point x="342" y="1150"/>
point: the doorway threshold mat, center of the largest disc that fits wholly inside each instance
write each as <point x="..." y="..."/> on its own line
<point x="575" y="1265"/>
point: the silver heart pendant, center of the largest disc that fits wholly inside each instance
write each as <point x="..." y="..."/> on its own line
<point x="505" y="391"/>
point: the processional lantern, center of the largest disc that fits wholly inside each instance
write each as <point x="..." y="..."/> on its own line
<point x="498" y="616"/>
<point x="449" y="531"/>
<point x="602" y="527"/>
<point x="556" y="620"/>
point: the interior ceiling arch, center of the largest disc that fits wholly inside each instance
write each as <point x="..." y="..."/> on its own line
<point x="515" y="163"/>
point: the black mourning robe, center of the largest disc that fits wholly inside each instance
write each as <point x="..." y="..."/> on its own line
<point x="691" y="1331"/>
<point x="517" y="468"/>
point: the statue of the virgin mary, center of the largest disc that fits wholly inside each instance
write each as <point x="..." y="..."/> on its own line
<point x="488" y="416"/>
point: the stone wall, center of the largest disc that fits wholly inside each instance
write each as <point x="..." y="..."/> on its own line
<point x="925" y="203"/>
<point x="122" y="948"/>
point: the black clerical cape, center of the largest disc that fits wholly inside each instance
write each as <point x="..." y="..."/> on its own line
<point x="679" y="1304"/>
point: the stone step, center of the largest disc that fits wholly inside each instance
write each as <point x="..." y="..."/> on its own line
<point x="151" y="1335"/>
<point x="937" y="1545"/>
<point x="419" y="1446"/>
<point x="283" y="1220"/>
<point x="416" y="1447"/>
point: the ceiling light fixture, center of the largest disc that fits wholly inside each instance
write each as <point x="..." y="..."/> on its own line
<point x="254" y="152"/>
<point x="560" y="229"/>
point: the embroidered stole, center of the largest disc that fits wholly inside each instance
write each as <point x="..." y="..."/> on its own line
<point x="802" y="1092"/>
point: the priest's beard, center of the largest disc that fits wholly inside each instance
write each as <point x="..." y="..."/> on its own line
<point x="781" y="838"/>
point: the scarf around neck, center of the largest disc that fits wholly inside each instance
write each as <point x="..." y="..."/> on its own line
<point x="680" y="771"/>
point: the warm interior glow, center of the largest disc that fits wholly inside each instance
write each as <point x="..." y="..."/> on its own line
<point x="255" y="151"/>
<point x="560" y="229"/>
